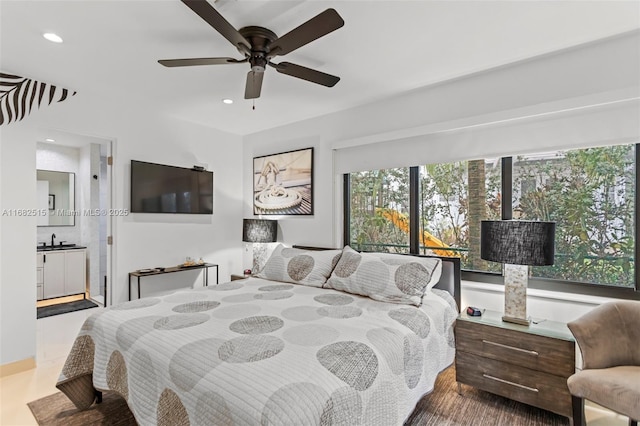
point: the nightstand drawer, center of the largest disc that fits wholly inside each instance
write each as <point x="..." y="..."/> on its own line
<point x="511" y="381"/>
<point x="536" y="352"/>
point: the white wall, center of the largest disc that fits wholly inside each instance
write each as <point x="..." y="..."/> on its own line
<point x="587" y="95"/>
<point x="140" y="241"/>
<point x="305" y="230"/>
<point x="17" y="242"/>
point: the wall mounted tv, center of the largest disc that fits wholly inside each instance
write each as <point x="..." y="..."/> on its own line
<point x="158" y="188"/>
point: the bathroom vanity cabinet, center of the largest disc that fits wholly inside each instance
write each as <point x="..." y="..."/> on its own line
<point x="61" y="273"/>
<point x="40" y="275"/>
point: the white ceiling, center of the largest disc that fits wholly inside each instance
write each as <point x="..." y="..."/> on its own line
<point x="111" y="49"/>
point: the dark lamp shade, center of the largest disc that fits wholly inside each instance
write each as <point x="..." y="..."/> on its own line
<point x="518" y="242"/>
<point x="259" y="230"/>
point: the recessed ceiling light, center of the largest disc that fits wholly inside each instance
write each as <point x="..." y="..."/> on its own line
<point x="227" y="101"/>
<point x="49" y="140"/>
<point x="52" y="37"/>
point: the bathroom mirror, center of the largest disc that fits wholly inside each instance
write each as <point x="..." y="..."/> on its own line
<point x="56" y="197"/>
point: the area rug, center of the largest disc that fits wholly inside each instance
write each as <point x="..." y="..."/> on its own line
<point x="63" y="308"/>
<point x="443" y="407"/>
<point x="57" y="410"/>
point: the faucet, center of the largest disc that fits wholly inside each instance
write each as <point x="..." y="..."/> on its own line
<point x="52" y="237"/>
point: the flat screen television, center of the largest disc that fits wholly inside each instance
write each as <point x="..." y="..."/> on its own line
<point x="158" y="188"/>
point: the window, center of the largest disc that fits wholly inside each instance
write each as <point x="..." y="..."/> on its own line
<point x="379" y="215"/>
<point x="453" y="199"/>
<point x="590" y="194"/>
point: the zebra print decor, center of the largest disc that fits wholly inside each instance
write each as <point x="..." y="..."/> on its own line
<point x="18" y="96"/>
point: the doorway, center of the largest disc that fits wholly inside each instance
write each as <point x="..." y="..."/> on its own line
<point x="88" y="224"/>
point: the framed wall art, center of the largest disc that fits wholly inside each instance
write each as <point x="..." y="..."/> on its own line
<point x="283" y="183"/>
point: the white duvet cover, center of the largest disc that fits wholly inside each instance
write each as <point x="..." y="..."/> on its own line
<point x="257" y="352"/>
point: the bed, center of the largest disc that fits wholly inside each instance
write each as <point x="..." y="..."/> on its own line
<point x="272" y="351"/>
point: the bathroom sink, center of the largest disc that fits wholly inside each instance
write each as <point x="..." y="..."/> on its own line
<point x="65" y="246"/>
<point x="59" y="247"/>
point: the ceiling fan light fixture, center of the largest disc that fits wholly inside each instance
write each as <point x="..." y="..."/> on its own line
<point x="227" y="101"/>
<point x="52" y="37"/>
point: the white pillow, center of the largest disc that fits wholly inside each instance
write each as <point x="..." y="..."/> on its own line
<point x="307" y="267"/>
<point x="385" y="277"/>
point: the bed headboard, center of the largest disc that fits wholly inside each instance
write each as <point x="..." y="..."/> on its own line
<point x="449" y="280"/>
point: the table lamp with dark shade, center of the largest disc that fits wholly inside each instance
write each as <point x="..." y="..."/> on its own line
<point x="259" y="231"/>
<point x="518" y="244"/>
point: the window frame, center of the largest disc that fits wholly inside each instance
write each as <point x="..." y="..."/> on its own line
<point x="554" y="285"/>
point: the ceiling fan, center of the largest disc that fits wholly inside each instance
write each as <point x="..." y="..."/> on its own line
<point x="259" y="45"/>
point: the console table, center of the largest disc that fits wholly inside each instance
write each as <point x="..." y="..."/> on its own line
<point x="142" y="273"/>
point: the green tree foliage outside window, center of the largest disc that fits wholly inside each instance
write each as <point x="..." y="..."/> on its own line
<point x="590" y="194"/>
<point x="375" y="194"/>
<point x="379" y="216"/>
<point x="454" y="198"/>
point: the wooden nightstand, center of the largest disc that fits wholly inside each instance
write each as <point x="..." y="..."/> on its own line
<point x="239" y="277"/>
<point x="527" y="364"/>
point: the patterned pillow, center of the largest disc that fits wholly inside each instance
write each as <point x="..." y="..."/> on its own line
<point x="385" y="277"/>
<point x="307" y="267"/>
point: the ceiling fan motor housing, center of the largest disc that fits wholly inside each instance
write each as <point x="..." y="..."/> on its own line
<point x="260" y="39"/>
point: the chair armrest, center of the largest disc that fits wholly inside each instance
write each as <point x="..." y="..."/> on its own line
<point x="608" y="335"/>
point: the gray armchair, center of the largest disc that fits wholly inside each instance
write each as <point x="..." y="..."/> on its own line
<point x="609" y="340"/>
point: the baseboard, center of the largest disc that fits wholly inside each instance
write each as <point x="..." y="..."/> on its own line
<point x="17" y="367"/>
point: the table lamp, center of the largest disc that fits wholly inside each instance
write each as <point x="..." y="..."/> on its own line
<point x="518" y="244"/>
<point x="259" y="231"/>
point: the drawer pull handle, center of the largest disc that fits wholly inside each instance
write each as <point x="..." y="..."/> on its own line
<point x="486" y="376"/>
<point x="534" y="353"/>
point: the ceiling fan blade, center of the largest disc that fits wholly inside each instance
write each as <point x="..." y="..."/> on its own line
<point x="314" y="28"/>
<point x="207" y="12"/>
<point x="254" y="84"/>
<point x="198" y="61"/>
<point x="305" y="73"/>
